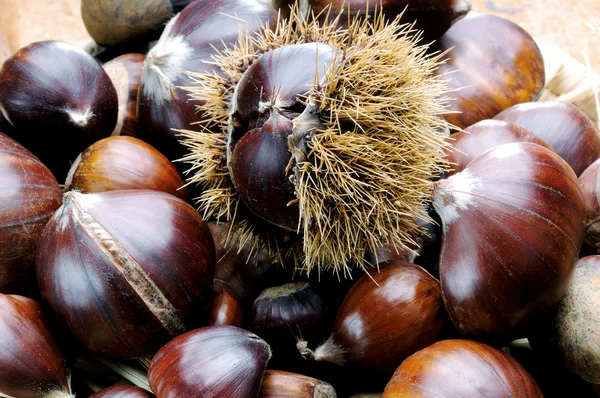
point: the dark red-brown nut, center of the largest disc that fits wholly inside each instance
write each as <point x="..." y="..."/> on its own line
<point x="513" y="226"/>
<point x="461" y="368"/>
<point x="122" y="391"/>
<point x="214" y="361"/>
<point x="187" y="44"/>
<point x="494" y="63"/>
<point x="29" y="195"/>
<point x="59" y="99"/>
<point x="565" y="127"/>
<point x="385" y="317"/>
<point x="113" y="22"/>
<point x="590" y="187"/>
<point x="31" y="364"/>
<point x="117" y="163"/>
<point x="279" y="384"/>
<point x="482" y="136"/>
<point x="125" y="72"/>
<point x="126" y="271"/>
<point x="225" y="308"/>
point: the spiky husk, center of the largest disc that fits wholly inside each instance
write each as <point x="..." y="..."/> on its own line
<point x="365" y="175"/>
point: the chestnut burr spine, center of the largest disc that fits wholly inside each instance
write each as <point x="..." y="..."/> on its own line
<point x="150" y="294"/>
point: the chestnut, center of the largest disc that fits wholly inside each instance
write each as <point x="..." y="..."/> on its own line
<point x="31" y="364"/>
<point x="482" y="136"/>
<point x="493" y="64"/>
<point x="187" y="44"/>
<point x="385" y="317"/>
<point x="279" y="384"/>
<point x="125" y="72"/>
<point x="29" y="195"/>
<point x="461" y="368"/>
<point x="122" y="391"/>
<point x="513" y="224"/>
<point x="126" y="271"/>
<point x="588" y="182"/>
<point x="214" y="361"/>
<point x="225" y="308"/>
<point x="565" y="127"/>
<point x="115" y="22"/>
<point x="117" y="163"/>
<point x="59" y="99"/>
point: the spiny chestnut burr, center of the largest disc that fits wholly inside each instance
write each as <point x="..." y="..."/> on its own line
<point x="385" y="317"/>
<point x="461" y="368"/>
<point x="214" y="361"/>
<point x="590" y="187"/>
<point x="116" y="22"/>
<point x="494" y="63"/>
<point x="126" y="270"/>
<point x="565" y="127"/>
<point x="513" y="226"/>
<point x="122" y="391"/>
<point x="29" y="195"/>
<point x="482" y="136"/>
<point x="279" y="384"/>
<point x="187" y="44"/>
<point x="125" y="72"/>
<point x="31" y="364"/>
<point x="118" y="163"/>
<point x="225" y="308"/>
<point x="59" y="99"/>
<point x="305" y="132"/>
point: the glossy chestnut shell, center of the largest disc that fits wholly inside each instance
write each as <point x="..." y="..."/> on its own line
<point x="126" y="271"/>
<point x="29" y="195"/>
<point x="225" y="308"/>
<point x="461" y="368"/>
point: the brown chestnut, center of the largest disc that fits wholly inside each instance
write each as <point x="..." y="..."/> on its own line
<point x="122" y="391"/>
<point x="59" y="99"/>
<point x="279" y="384"/>
<point x="29" y="195"/>
<point x="565" y="127"/>
<point x="494" y="63"/>
<point x="117" y="163"/>
<point x="385" y="317"/>
<point x="126" y="270"/>
<point x="214" y="361"/>
<point x="482" y="136"/>
<point x="225" y="308"/>
<point x="31" y="364"/>
<point x="513" y="226"/>
<point x="125" y="72"/>
<point x="590" y="187"/>
<point x="186" y="44"/>
<point x="115" y="22"/>
<point x="461" y="368"/>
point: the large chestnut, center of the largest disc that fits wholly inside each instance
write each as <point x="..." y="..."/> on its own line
<point x="59" y="99"/>
<point x="565" y="127"/>
<point x="493" y="64"/>
<point x="385" y="317"/>
<point x="214" y="361"/>
<point x="461" y="368"/>
<point x="126" y="271"/>
<point x="186" y="44"/>
<point x="31" y="364"/>
<point x="117" y="163"/>
<point x="513" y="226"/>
<point x="29" y="195"/>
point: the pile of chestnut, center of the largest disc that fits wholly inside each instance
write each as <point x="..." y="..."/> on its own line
<point x="108" y="273"/>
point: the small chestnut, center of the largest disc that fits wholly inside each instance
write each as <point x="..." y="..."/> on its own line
<point x="279" y="384"/>
<point x="225" y="308"/>
<point x="513" y="224"/>
<point x="214" y="361"/>
<point x="31" y="364"/>
<point x="122" y="391"/>
<point x="118" y="163"/>
<point x="126" y="270"/>
<point x="29" y="195"/>
<point x="125" y="72"/>
<point x="461" y="368"/>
